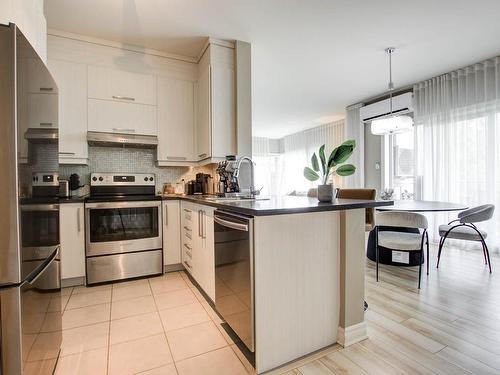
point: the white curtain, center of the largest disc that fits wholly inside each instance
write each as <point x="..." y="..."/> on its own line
<point x="354" y="129"/>
<point x="280" y="162"/>
<point x="457" y="141"/>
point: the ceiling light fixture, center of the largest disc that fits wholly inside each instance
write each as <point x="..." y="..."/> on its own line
<point x="391" y="124"/>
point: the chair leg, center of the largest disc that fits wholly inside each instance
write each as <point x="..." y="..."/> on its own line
<point x="427" y="260"/>
<point x="484" y="253"/>
<point x="376" y="251"/>
<point x="441" y="244"/>
<point x="420" y="266"/>
<point x="487" y="254"/>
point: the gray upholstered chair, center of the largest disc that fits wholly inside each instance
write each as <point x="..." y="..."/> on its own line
<point x="465" y="229"/>
<point x="402" y="241"/>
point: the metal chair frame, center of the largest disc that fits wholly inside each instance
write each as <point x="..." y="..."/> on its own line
<point x="486" y="253"/>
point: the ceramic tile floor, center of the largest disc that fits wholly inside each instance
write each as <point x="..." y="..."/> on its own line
<point x="160" y="325"/>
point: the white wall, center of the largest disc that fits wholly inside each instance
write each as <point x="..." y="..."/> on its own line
<point x="373" y="155"/>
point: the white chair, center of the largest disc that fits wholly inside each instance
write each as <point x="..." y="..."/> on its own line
<point x="401" y="241"/>
<point x="464" y="229"/>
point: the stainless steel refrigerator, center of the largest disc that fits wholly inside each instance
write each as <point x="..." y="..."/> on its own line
<point x="30" y="280"/>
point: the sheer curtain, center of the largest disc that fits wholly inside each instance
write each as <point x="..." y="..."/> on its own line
<point x="280" y="162"/>
<point x="457" y="141"/>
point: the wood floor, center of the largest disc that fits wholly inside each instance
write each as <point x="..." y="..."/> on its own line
<point x="450" y="326"/>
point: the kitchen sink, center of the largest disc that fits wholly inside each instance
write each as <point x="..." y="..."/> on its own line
<point x="233" y="199"/>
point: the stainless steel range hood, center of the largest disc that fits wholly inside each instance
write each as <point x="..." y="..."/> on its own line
<point x="120" y="139"/>
<point x="42" y="135"/>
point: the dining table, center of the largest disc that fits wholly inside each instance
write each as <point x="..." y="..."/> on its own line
<point x="386" y="255"/>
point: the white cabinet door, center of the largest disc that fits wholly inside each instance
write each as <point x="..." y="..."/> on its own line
<point x="120" y="85"/>
<point x="115" y="117"/>
<point x="72" y="240"/>
<point x="175" y="120"/>
<point x="42" y="111"/>
<point x="198" y="269"/>
<point x="188" y="222"/>
<point x="203" y="134"/>
<point x="71" y="79"/>
<point x="171" y="232"/>
<point x="223" y="108"/>
<point x="39" y="82"/>
<point x="207" y="252"/>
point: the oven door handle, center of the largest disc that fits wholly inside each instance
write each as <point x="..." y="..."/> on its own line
<point x="40" y="207"/>
<point x="142" y="204"/>
<point x="231" y="224"/>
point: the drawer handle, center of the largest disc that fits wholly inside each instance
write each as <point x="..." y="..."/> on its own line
<point x="187" y="228"/>
<point x="202" y="155"/>
<point x="124" y="130"/>
<point x="46" y="124"/>
<point x="189" y="236"/>
<point x="119" y="97"/>
<point x="176" y="158"/>
<point x="188" y="253"/>
<point x="187" y="264"/>
<point x="185" y="209"/>
<point x="66" y="153"/>
<point x="188" y="247"/>
<point x="46" y="89"/>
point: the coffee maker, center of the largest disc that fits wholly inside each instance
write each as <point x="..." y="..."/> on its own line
<point x="203" y="184"/>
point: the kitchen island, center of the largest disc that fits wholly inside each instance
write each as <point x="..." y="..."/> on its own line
<point x="307" y="263"/>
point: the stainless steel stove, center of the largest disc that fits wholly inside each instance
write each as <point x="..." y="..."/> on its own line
<point x="123" y="223"/>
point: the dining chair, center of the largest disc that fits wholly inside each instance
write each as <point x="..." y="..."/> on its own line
<point x="465" y="229"/>
<point x="367" y="194"/>
<point x="402" y="241"/>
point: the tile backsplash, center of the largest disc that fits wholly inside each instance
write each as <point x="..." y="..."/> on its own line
<point x="131" y="160"/>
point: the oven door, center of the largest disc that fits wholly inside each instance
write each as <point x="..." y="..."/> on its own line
<point x="122" y="227"/>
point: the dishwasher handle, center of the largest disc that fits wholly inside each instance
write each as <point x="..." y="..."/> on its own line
<point x="231" y="224"/>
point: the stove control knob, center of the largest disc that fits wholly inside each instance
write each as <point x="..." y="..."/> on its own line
<point x="145" y="178"/>
<point x="150" y="178"/>
<point x="100" y="178"/>
<point x="94" y="178"/>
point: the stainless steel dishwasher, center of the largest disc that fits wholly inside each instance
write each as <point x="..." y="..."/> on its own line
<point x="234" y="283"/>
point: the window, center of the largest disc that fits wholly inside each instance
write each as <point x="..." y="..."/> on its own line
<point x="399" y="173"/>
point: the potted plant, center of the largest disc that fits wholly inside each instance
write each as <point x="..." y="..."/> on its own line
<point x="324" y="168"/>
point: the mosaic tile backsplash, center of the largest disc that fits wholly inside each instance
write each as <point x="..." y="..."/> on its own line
<point x="131" y="160"/>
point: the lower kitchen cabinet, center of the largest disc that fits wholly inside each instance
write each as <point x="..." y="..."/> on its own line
<point x="203" y="249"/>
<point x="72" y="237"/>
<point x="171" y="232"/>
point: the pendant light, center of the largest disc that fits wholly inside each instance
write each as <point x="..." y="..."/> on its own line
<point x="391" y="124"/>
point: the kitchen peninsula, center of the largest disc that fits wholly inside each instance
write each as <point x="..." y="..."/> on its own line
<point x="308" y="271"/>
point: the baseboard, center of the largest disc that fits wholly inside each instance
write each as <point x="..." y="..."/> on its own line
<point x="173" y="267"/>
<point x="73" y="281"/>
<point x="352" y="334"/>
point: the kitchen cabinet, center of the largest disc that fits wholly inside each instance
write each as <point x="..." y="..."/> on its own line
<point x="42" y="111"/>
<point x="171" y="232"/>
<point x="175" y="122"/>
<point x="38" y="81"/>
<point x="71" y="79"/>
<point x="187" y="225"/>
<point x="121" y="86"/>
<point x="115" y="117"/>
<point x="72" y="237"/>
<point x="216" y="104"/>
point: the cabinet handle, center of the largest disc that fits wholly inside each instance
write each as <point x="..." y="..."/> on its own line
<point x="188" y="235"/>
<point x="78" y="219"/>
<point x="66" y="153"/>
<point x="188" y="253"/>
<point x="46" y="89"/>
<point x="199" y="224"/>
<point x="203" y="224"/>
<point x="119" y="97"/>
<point x="165" y="215"/>
<point x="124" y="130"/>
<point x="176" y="158"/>
<point x="202" y="155"/>
<point x="46" y="124"/>
<point x="188" y="247"/>
<point x="187" y="264"/>
<point x="187" y="228"/>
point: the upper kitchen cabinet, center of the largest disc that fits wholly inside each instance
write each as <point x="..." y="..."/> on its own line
<point x="71" y="79"/>
<point x="176" y="144"/>
<point x="216" y="104"/>
<point x="122" y="86"/>
<point x="42" y="111"/>
<point x="121" y="101"/>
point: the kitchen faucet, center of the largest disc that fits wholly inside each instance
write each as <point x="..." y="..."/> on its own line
<point x="253" y="192"/>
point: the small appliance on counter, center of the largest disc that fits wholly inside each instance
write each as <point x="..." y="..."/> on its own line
<point x="189" y="187"/>
<point x="236" y="177"/>
<point x="64" y="189"/>
<point x="206" y="184"/>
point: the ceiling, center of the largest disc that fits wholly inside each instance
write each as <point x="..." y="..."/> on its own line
<point x="310" y="59"/>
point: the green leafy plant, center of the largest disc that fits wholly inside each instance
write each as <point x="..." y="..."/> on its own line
<point x="324" y="168"/>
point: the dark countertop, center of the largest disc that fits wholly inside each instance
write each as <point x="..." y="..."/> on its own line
<point x="283" y="205"/>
